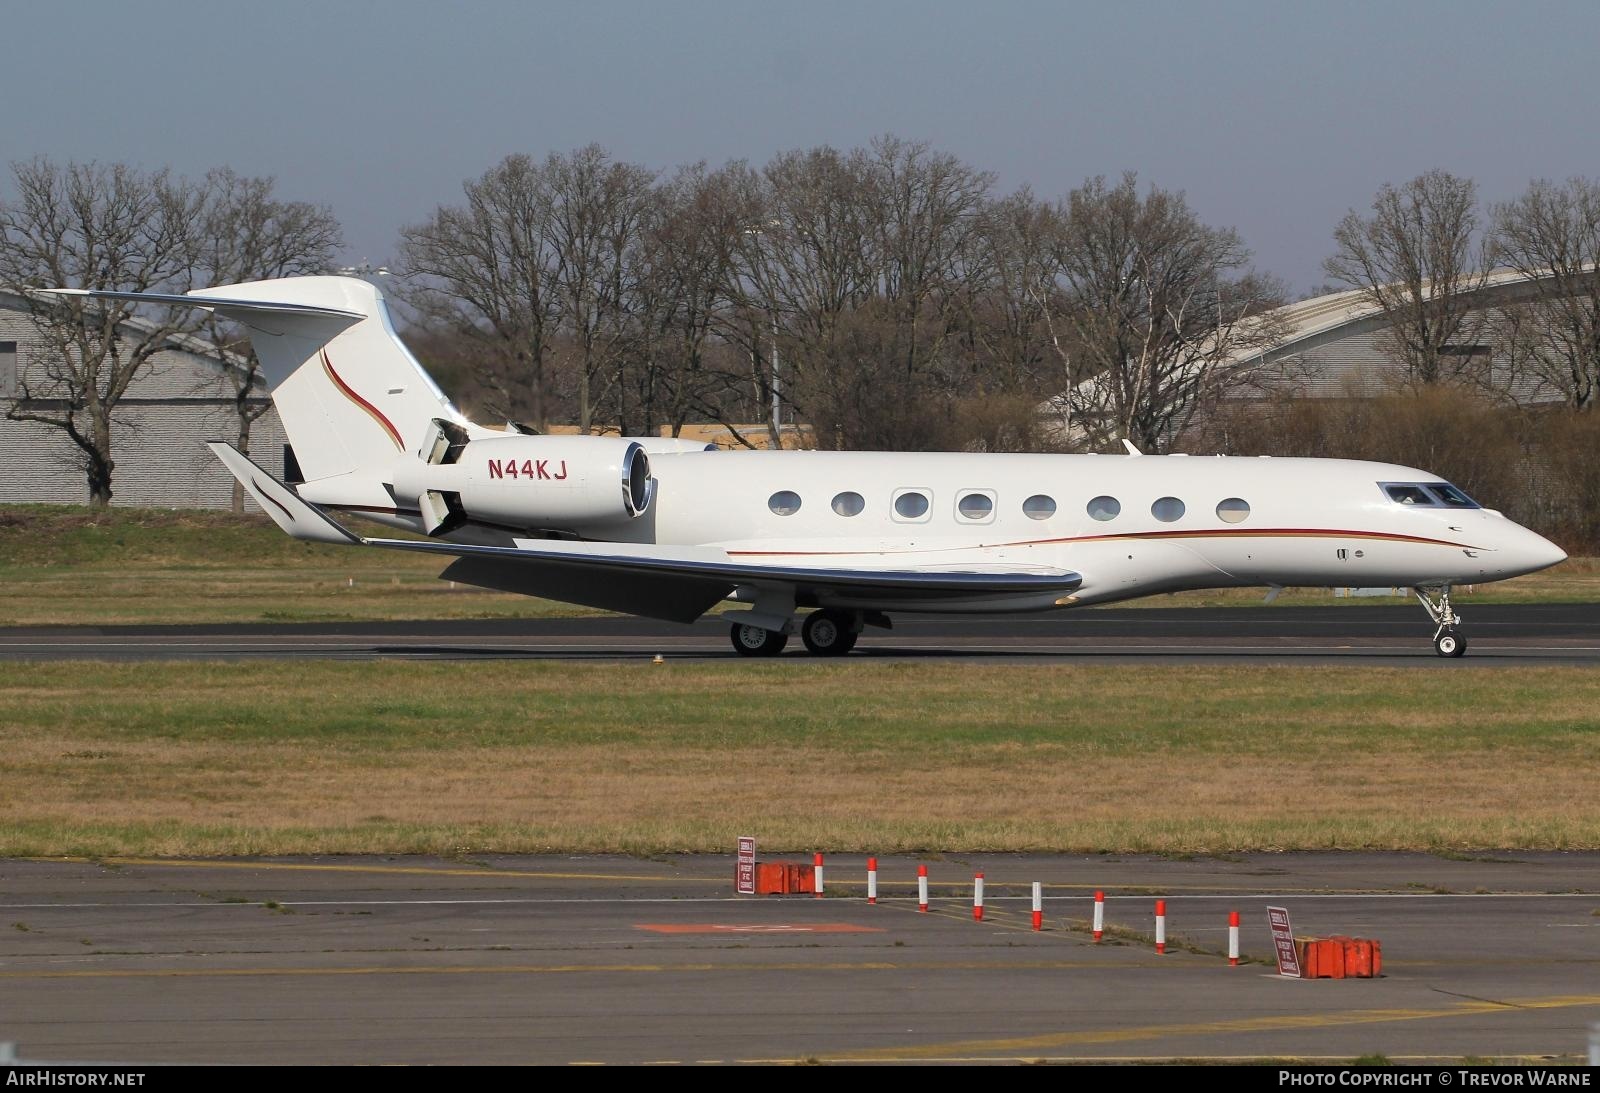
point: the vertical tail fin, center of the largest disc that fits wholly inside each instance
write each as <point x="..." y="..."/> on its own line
<point x="350" y="395"/>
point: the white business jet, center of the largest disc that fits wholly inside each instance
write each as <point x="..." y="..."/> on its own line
<point x="668" y="529"/>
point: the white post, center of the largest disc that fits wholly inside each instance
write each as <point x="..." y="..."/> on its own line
<point x="922" y="887"/>
<point x="977" y="897"/>
<point x="872" y="880"/>
<point x="1038" y="906"/>
<point x="1099" y="914"/>
<point x="1233" y="939"/>
<point x="817" y="872"/>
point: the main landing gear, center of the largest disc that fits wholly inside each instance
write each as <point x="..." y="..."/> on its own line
<point x="830" y="633"/>
<point x="1448" y="640"/>
<point x="825" y="633"/>
<point x="756" y="641"/>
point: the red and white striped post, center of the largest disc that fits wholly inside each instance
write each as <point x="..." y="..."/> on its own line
<point x="1233" y="939"/>
<point x="1099" y="914"/>
<point x="872" y="880"/>
<point x="977" y="897"/>
<point x="1038" y="906"/>
<point x="922" y="887"/>
<point x="816" y="869"/>
<point x="1161" y="926"/>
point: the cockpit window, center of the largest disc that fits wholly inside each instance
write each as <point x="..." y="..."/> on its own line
<point x="1427" y="494"/>
<point x="1408" y="495"/>
<point x="1451" y="496"/>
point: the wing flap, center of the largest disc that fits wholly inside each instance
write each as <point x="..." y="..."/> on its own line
<point x="710" y="564"/>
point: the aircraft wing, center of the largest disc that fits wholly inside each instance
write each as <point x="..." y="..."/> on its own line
<point x="674" y="583"/>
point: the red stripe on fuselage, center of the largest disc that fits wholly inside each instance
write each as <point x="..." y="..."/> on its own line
<point x="1228" y="533"/>
<point x="373" y="411"/>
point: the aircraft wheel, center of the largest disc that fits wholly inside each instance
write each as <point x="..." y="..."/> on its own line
<point x="753" y="641"/>
<point x="1450" y="643"/>
<point x="828" y="634"/>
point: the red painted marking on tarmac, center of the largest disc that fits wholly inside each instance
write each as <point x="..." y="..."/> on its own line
<point x="757" y="928"/>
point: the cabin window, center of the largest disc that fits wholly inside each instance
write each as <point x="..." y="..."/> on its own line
<point x="1039" y="507"/>
<point x="849" y="503"/>
<point x="976" y="506"/>
<point x="911" y="505"/>
<point x="784" y="503"/>
<point x="1105" y="508"/>
<point x="1167" y="509"/>
<point x="1233" y="510"/>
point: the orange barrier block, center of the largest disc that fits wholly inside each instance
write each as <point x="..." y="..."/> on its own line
<point x="1339" y="957"/>
<point x="778" y="878"/>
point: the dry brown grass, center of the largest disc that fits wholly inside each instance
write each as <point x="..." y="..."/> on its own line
<point x="281" y="758"/>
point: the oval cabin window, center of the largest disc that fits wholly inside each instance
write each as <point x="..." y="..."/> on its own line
<point x="1105" y="508"/>
<point x="784" y="503"/>
<point x="911" y="506"/>
<point x="1233" y="510"/>
<point x="975" y="506"/>
<point x="849" y="503"/>
<point x="1167" y="509"/>
<point x="1039" y="507"/>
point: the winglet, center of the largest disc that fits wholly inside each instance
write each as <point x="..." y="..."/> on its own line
<point x="1128" y="444"/>
<point x="295" y="516"/>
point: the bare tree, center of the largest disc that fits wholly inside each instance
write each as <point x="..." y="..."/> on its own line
<point x="101" y="226"/>
<point x="487" y="270"/>
<point x="1012" y="286"/>
<point x="248" y="235"/>
<point x="804" y="265"/>
<point x="1150" y="314"/>
<point x="1551" y="235"/>
<point x="598" y="207"/>
<point x="684" y="263"/>
<point x="1417" y="258"/>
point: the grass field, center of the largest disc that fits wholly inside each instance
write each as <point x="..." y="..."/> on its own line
<point x="66" y="566"/>
<point x="314" y="757"/>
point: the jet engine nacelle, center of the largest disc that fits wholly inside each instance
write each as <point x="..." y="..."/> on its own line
<point x="524" y="482"/>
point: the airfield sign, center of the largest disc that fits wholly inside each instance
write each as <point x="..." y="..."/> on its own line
<point x="746" y="874"/>
<point x="1283" y="942"/>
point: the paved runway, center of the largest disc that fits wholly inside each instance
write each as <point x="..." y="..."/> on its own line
<point x="554" y="960"/>
<point x="1497" y="635"/>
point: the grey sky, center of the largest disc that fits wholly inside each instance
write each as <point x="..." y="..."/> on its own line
<point x="1275" y="118"/>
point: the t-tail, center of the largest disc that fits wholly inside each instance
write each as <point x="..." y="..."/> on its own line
<point x="350" y="394"/>
<point x="373" y="435"/>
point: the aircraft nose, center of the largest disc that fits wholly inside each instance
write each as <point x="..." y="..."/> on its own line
<point x="1531" y="552"/>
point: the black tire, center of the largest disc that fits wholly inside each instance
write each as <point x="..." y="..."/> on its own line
<point x="828" y="634"/>
<point x="1450" y="643"/>
<point x="753" y="641"/>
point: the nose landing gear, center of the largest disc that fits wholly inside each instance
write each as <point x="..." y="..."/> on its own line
<point x="1448" y="640"/>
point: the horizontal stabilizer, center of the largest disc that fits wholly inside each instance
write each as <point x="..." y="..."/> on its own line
<point x="233" y="309"/>
<point x="288" y="511"/>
